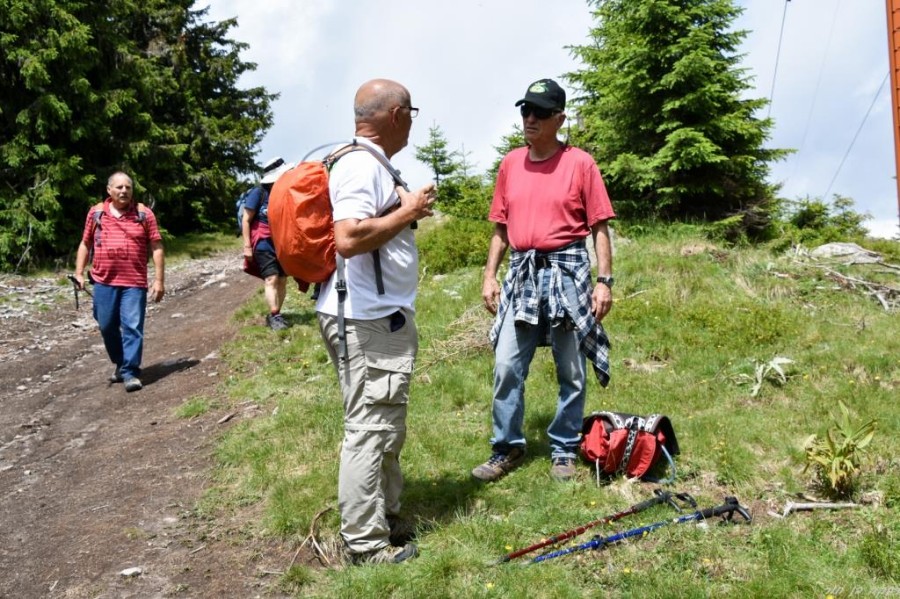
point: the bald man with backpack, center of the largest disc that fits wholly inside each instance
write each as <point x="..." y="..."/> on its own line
<point x="375" y="349"/>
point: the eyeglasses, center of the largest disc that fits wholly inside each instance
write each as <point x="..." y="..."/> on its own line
<point x="538" y="112"/>
<point x="413" y="112"/>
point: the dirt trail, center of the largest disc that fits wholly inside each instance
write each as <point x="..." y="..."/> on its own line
<point x="94" y="480"/>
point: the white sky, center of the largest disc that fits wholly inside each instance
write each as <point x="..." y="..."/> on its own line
<point x="466" y="63"/>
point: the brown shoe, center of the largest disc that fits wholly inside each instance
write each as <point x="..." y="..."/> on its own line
<point x="385" y="555"/>
<point x="500" y="465"/>
<point x="563" y="469"/>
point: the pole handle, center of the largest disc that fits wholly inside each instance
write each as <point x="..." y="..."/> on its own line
<point x="727" y="511"/>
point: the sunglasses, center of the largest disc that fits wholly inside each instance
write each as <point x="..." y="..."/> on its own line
<point x="538" y="112"/>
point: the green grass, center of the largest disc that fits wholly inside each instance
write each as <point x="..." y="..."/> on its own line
<point x="198" y="245"/>
<point x="690" y="324"/>
<point x="195" y="406"/>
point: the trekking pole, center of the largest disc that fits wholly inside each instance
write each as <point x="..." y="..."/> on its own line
<point x="75" y="289"/>
<point x="726" y="511"/>
<point x="666" y="497"/>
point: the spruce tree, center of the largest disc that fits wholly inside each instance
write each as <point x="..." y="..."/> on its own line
<point x="660" y="104"/>
<point x="87" y="88"/>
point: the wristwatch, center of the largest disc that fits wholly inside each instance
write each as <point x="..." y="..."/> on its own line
<point x="608" y="281"/>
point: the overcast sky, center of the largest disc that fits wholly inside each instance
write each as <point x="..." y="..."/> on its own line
<point x="466" y="62"/>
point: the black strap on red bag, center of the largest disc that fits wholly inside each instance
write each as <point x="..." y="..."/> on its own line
<point x="618" y="443"/>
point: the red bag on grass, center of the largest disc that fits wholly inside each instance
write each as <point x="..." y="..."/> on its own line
<point x="619" y="443"/>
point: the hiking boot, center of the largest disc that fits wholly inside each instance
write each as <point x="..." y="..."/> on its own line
<point x="116" y="377"/>
<point x="385" y="555"/>
<point x="563" y="469"/>
<point x="499" y="465"/>
<point x="402" y="531"/>
<point x="133" y="384"/>
<point x="276" y="322"/>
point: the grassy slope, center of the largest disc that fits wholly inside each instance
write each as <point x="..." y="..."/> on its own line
<point x="691" y="324"/>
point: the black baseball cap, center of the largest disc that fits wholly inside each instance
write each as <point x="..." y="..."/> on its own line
<point x="545" y="93"/>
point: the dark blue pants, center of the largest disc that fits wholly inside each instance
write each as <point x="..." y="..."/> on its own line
<point x="120" y="313"/>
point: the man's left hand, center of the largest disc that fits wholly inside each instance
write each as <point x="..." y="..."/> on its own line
<point x="601" y="301"/>
<point x="157" y="291"/>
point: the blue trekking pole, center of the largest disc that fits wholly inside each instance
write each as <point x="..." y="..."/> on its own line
<point x="661" y="497"/>
<point x="727" y="511"/>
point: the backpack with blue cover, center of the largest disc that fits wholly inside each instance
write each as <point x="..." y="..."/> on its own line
<point x="269" y="168"/>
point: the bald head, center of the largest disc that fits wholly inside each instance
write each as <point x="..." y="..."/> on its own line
<point x="378" y="116"/>
<point x="378" y="96"/>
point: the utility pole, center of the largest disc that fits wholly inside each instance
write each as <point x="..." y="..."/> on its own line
<point x="893" y="24"/>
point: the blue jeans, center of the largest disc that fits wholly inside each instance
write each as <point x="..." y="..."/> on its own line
<point x="120" y="313"/>
<point x="513" y="354"/>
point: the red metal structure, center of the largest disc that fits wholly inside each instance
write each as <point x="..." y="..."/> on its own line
<point x="893" y="24"/>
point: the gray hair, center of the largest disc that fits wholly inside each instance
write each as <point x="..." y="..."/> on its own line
<point x="116" y="174"/>
<point x="381" y="102"/>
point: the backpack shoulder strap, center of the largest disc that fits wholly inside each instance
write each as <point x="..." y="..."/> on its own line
<point x="329" y="162"/>
<point x="617" y="419"/>
<point x="142" y="218"/>
<point x="97" y="212"/>
<point x="353" y="146"/>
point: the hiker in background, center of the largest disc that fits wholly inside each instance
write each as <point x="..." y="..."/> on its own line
<point x="258" y="242"/>
<point x="381" y="336"/>
<point x="548" y="198"/>
<point x="118" y="234"/>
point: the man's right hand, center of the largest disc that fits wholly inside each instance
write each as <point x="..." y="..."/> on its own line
<point x="419" y="204"/>
<point x="78" y="279"/>
<point x="248" y="251"/>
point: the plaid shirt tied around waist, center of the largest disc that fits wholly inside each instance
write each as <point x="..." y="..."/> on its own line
<point x="570" y="268"/>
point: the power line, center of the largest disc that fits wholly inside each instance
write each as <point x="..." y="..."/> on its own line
<point x="777" y="56"/>
<point x="812" y="106"/>
<point x="853" y="141"/>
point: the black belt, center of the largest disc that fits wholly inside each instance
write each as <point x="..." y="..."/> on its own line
<point x="542" y="262"/>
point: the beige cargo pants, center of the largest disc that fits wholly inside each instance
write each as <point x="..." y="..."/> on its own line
<point x="375" y="388"/>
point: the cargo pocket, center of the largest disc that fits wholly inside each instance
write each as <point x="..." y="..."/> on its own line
<point x="387" y="378"/>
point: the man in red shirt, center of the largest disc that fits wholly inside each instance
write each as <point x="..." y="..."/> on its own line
<point x="118" y="235"/>
<point x="548" y="199"/>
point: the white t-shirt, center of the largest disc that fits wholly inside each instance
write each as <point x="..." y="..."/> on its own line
<point x="361" y="188"/>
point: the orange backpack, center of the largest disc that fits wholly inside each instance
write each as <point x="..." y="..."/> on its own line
<point x="301" y="220"/>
